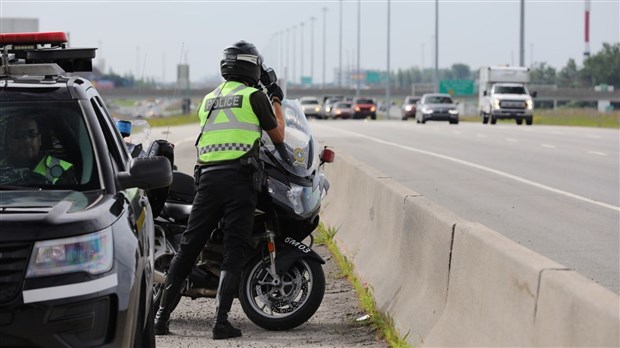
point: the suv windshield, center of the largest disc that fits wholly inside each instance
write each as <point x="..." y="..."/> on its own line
<point x="45" y="145"/>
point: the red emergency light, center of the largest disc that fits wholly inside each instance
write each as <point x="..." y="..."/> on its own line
<point x="41" y="38"/>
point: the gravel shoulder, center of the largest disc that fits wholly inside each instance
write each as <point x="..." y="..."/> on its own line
<point x="333" y="325"/>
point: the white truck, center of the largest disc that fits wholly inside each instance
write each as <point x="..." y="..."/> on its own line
<point x="503" y="94"/>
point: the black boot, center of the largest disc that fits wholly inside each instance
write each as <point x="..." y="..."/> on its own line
<point x="226" y="291"/>
<point x="169" y="298"/>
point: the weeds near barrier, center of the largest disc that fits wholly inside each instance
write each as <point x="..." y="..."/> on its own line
<point x="379" y="321"/>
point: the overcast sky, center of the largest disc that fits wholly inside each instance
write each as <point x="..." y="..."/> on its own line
<point x="152" y="37"/>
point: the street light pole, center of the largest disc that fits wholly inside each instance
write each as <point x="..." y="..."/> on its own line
<point x="340" y="49"/>
<point x="436" y="74"/>
<point x="387" y="87"/>
<point x="324" y="12"/>
<point x="312" y="49"/>
<point x="294" y="54"/>
<point x="288" y="56"/>
<point x="357" y="73"/>
<point x="301" y="68"/>
<point x="522" y="36"/>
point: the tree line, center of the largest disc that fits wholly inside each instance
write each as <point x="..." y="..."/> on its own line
<point x="600" y="68"/>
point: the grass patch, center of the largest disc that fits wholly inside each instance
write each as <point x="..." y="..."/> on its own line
<point x="380" y="322"/>
<point x="580" y="117"/>
<point x="175" y="120"/>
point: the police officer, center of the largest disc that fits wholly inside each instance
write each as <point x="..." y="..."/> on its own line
<point x="24" y="140"/>
<point x="232" y="118"/>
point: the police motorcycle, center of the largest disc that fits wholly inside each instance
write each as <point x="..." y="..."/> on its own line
<point x="283" y="283"/>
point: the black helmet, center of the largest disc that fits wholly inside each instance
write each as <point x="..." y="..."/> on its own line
<point x="242" y="60"/>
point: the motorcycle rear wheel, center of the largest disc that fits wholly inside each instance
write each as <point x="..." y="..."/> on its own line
<point x="279" y="308"/>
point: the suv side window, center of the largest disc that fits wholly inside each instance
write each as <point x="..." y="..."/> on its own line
<point x="118" y="158"/>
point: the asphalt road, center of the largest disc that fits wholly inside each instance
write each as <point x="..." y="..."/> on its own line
<point x="554" y="190"/>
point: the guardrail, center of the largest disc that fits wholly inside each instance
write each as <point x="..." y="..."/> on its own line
<point x="447" y="281"/>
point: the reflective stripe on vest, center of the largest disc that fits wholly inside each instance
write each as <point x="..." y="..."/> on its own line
<point x="52" y="168"/>
<point x="232" y="127"/>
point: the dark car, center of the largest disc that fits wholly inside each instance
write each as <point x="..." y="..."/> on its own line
<point x="364" y="107"/>
<point x="77" y="233"/>
<point x="408" y="108"/>
<point x="437" y="107"/>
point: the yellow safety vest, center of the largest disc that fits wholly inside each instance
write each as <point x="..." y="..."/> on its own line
<point x="52" y="168"/>
<point x="231" y="128"/>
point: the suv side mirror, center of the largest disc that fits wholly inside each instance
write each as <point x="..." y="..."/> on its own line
<point x="147" y="173"/>
<point x="484" y="93"/>
<point x="534" y="94"/>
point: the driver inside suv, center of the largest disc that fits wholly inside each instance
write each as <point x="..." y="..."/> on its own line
<point x="26" y="157"/>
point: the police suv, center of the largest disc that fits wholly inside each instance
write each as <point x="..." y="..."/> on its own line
<point x="76" y="227"/>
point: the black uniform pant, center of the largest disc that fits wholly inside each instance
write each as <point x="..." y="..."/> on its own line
<point x="225" y="195"/>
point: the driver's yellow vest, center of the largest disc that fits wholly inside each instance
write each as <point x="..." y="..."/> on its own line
<point x="231" y="128"/>
<point x="52" y="168"/>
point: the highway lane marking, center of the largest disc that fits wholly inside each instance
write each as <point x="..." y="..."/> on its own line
<point x="483" y="168"/>
<point x="548" y="146"/>
<point x="597" y="153"/>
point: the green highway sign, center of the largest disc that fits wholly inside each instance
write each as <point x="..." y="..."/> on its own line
<point x="457" y="87"/>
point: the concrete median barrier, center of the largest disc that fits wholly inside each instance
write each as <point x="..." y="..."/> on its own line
<point x="449" y="282"/>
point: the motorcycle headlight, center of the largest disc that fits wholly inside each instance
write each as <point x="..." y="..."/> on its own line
<point x="90" y="253"/>
<point x="286" y="195"/>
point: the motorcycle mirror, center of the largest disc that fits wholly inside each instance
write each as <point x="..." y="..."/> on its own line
<point x="327" y="155"/>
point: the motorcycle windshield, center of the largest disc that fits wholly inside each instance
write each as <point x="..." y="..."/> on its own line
<point x="298" y="153"/>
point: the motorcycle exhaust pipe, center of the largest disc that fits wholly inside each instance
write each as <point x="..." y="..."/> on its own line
<point x="159" y="277"/>
<point x="201" y="292"/>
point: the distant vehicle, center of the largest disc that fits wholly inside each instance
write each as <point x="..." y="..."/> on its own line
<point x="311" y="106"/>
<point x="409" y="106"/>
<point x="328" y="102"/>
<point x="364" y="107"/>
<point x="504" y="94"/>
<point x="437" y="107"/>
<point x="342" y="110"/>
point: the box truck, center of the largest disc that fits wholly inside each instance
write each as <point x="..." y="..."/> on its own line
<point x="503" y="94"/>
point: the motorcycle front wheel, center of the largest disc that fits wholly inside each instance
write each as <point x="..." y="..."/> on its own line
<point x="287" y="305"/>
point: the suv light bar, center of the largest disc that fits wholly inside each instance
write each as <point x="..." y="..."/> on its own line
<point x="45" y="48"/>
<point x="52" y="38"/>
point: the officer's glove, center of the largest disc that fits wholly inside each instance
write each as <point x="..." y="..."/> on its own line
<point x="274" y="91"/>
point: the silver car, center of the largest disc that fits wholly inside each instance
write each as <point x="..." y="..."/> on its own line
<point x="437" y="107"/>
